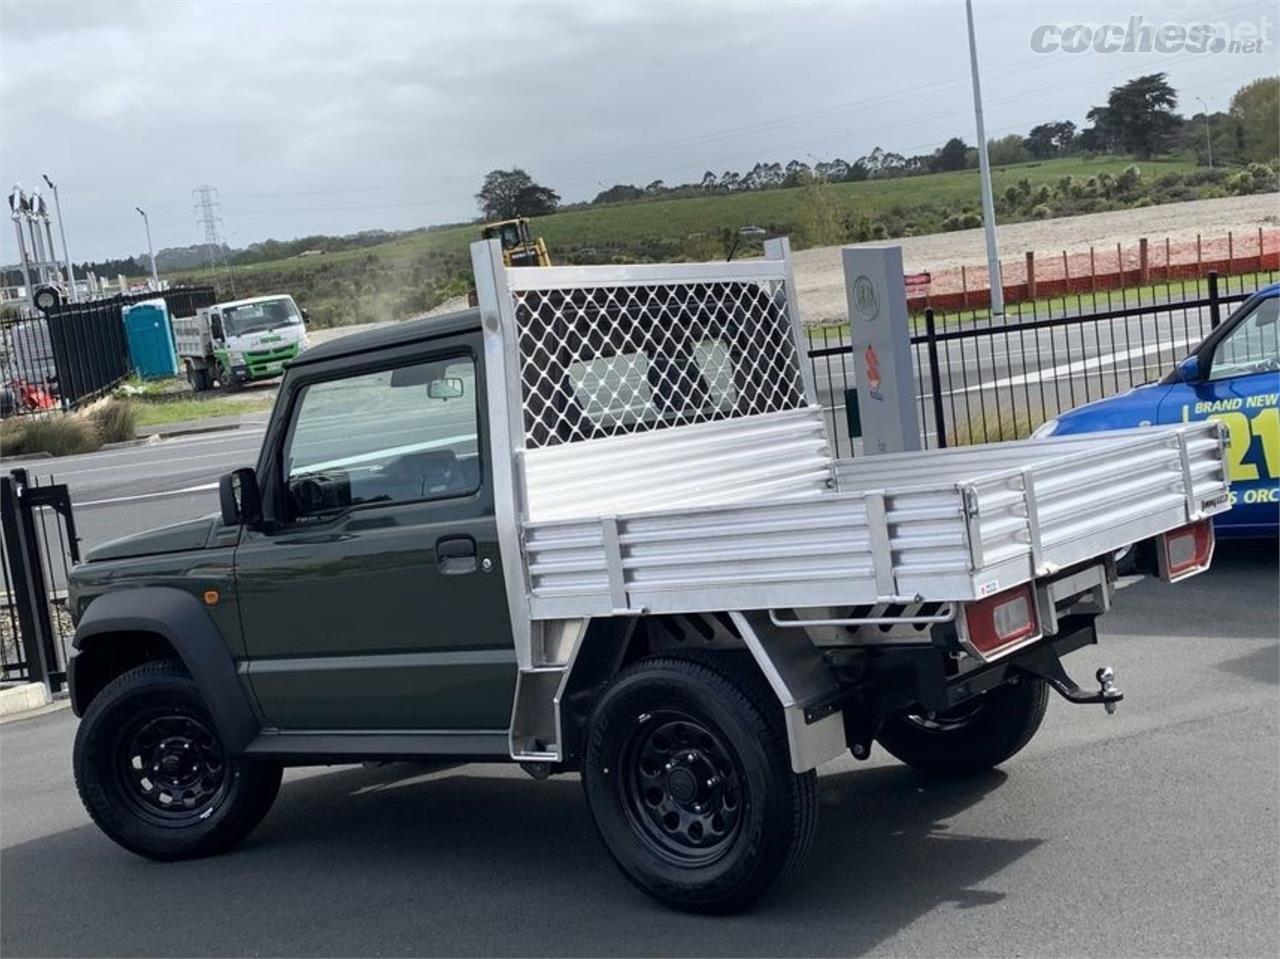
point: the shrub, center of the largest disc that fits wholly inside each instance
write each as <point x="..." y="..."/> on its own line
<point x="879" y="231"/>
<point x="970" y="221"/>
<point x="113" y="421"/>
<point x="58" y="435"/>
<point x="1041" y="211"/>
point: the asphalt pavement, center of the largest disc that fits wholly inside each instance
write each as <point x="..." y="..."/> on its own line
<point x="1151" y="832"/>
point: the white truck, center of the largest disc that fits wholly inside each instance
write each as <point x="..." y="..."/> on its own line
<point x="232" y="343"/>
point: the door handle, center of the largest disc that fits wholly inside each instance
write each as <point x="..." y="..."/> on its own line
<point x="456" y="555"/>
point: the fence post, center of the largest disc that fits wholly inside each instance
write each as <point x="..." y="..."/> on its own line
<point x="1031" y="275"/>
<point x="1144" y="265"/>
<point x="935" y="379"/>
<point x="31" y="594"/>
<point x="1215" y="307"/>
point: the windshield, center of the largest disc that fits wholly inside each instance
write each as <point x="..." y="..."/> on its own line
<point x="263" y="315"/>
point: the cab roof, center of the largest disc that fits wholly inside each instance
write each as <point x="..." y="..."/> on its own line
<point x="250" y="299"/>
<point x="392" y="334"/>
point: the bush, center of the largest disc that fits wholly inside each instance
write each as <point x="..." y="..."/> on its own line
<point x="58" y="435"/>
<point x="1041" y="212"/>
<point x="113" y="421"/>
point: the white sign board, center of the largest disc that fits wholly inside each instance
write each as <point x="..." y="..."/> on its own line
<point x="880" y="331"/>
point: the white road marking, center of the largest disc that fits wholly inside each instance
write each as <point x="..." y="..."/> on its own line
<point x="1071" y="369"/>
<point x="203" y="488"/>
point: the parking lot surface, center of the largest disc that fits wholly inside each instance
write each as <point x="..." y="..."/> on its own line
<point x="1151" y="832"/>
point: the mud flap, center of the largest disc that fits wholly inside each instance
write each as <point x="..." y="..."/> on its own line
<point x="804" y="685"/>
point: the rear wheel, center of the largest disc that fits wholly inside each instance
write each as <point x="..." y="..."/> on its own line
<point x="154" y="775"/>
<point x="688" y="778"/>
<point x="973" y="736"/>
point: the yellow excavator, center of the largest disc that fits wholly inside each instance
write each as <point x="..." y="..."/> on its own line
<point x="518" y="247"/>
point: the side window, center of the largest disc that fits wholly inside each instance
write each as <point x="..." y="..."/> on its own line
<point x="1252" y="347"/>
<point x="394" y="436"/>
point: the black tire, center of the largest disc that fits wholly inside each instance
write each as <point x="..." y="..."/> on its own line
<point x="198" y="377"/>
<point x="974" y="736"/>
<point x="154" y="712"/>
<point x="741" y="817"/>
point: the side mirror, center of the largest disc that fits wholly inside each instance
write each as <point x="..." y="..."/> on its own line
<point x="1189" y="370"/>
<point x="240" y="498"/>
<point x="215" y="327"/>
<point x="305" y="314"/>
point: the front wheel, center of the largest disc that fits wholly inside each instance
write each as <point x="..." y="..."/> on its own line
<point x="688" y="778"/>
<point x="153" y="774"/>
<point x="973" y="736"/>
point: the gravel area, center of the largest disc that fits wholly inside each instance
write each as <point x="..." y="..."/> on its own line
<point x="820" y="276"/>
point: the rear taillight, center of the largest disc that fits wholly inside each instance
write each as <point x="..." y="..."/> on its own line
<point x="999" y="623"/>
<point x="1186" y="551"/>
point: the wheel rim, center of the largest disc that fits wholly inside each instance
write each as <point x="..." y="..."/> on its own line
<point x="172" y="768"/>
<point x="682" y="788"/>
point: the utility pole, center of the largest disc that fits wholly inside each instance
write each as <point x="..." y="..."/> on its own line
<point x="155" y="277"/>
<point x="62" y="232"/>
<point x="984" y="172"/>
<point x="1208" y="132"/>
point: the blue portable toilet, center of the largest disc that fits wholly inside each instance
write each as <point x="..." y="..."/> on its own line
<point x="150" y="337"/>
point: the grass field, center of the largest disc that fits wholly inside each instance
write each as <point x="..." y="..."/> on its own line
<point x="156" y="413"/>
<point x="414" y="273"/>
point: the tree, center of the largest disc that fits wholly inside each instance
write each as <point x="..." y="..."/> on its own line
<point x="1051" y="139"/>
<point x="619" y="193"/>
<point x="1138" y="117"/>
<point x="952" y="155"/>
<point x="1007" y="150"/>
<point x="510" y="193"/>
<point x="1256" y="106"/>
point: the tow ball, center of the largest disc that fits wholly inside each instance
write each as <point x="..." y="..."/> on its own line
<point x="1044" y="663"/>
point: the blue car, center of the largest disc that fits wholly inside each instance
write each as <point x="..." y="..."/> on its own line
<point x="1232" y="377"/>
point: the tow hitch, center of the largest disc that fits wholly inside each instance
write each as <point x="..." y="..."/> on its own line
<point x="1045" y="663"/>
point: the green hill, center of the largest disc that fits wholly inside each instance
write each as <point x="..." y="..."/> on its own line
<point x="414" y="273"/>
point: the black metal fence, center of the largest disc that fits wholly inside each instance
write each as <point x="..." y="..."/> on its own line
<point x="980" y="380"/>
<point x="75" y="352"/>
<point x="38" y="546"/>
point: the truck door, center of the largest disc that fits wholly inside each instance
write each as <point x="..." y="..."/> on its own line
<point x="377" y="600"/>
<point x="1240" y="387"/>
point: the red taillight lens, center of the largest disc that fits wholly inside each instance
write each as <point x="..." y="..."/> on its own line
<point x="1188" y="550"/>
<point x="1002" y="621"/>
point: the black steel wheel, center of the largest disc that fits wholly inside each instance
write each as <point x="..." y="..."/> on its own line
<point x="154" y="775"/>
<point x="682" y="788"/>
<point x="973" y="736"/>
<point x="173" y="768"/>
<point x="688" y="778"/>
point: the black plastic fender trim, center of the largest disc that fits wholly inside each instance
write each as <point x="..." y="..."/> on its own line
<point x="179" y="618"/>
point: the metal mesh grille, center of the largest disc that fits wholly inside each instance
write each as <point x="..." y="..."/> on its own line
<point x="610" y="360"/>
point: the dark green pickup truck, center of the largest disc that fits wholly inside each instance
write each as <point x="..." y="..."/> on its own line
<point x="595" y="527"/>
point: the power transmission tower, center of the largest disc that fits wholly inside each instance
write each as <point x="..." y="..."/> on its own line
<point x="208" y="211"/>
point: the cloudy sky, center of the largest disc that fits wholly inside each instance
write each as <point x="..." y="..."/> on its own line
<point x="331" y="117"/>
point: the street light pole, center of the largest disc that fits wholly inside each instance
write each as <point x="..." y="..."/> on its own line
<point x="62" y="232"/>
<point x="984" y="173"/>
<point x="155" y="277"/>
<point x="1208" y="132"/>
